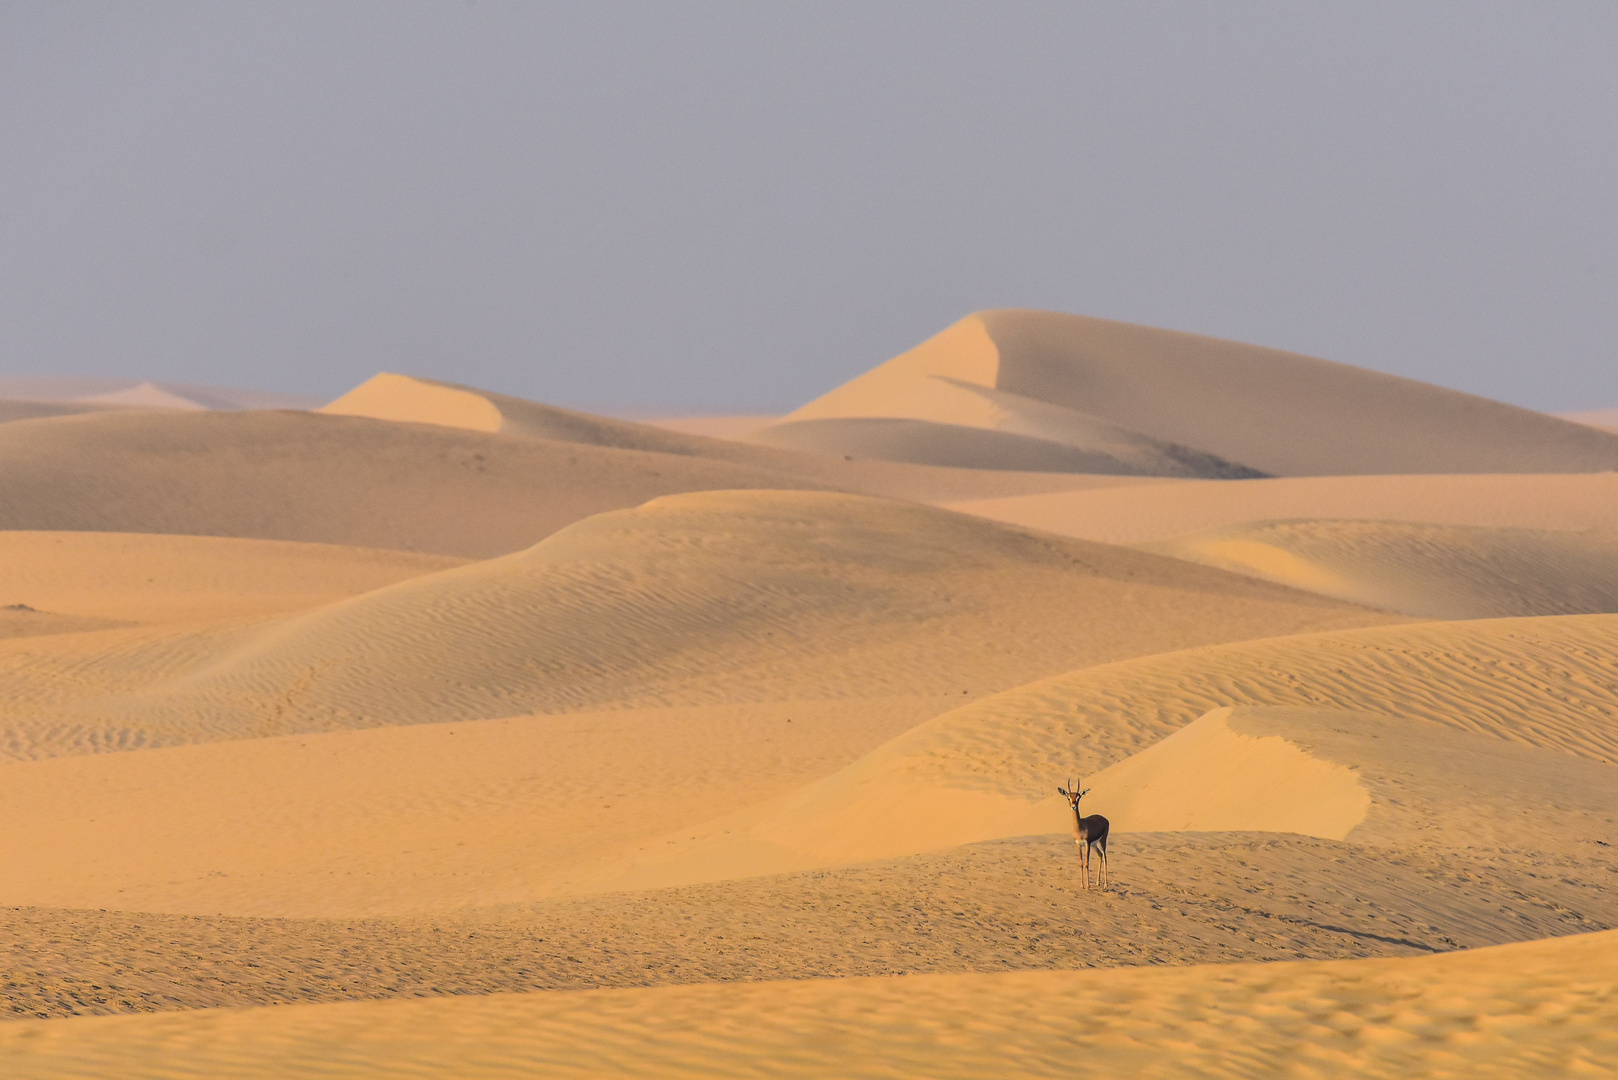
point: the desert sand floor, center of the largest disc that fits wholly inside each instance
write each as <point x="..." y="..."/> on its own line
<point x="1547" y="1008"/>
<point x="444" y="734"/>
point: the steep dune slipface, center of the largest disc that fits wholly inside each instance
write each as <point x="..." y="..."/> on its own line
<point x="704" y="598"/>
<point x="1249" y="407"/>
<point x="1536" y="1008"/>
<point x="987" y="769"/>
<point x="1211" y="777"/>
<point x="1436" y="571"/>
<point x="329" y="479"/>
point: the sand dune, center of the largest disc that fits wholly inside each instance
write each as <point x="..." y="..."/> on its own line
<point x="406" y="399"/>
<point x="1162" y="510"/>
<point x="1279" y="413"/>
<point x="715" y="427"/>
<point x="927" y="443"/>
<point x="987" y="769"/>
<point x="35" y="410"/>
<point x="427" y="401"/>
<point x="328" y="479"/>
<point x="1211" y="777"/>
<point x="146" y="578"/>
<point x="735" y="753"/>
<point x="104" y="393"/>
<point x="706" y="598"/>
<point x="434" y="817"/>
<point x="1436" y="571"/>
<point x="1540" y="1008"/>
<point x="1607" y="419"/>
<point x="432" y="488"/>
<point x="22" y="620"/>
<point x="395" y="820"/>
<point x="1393" y="782"/>
<point x="1007" y="905"/>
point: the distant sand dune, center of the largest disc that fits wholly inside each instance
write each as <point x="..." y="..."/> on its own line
<point x="1021" y="460"/>
<point x="706" y="598"/>
<point x="36" y="410"/>
<point x="1279" y="413"/>
<point x="926" y="443"/>
<point x="1162" y="510"/>
<point x="1537" y="1008"/>
<point x="1436" y="571"/>
<point x="328" y="479"/>
<point x="715" y="427"/>
<point x="1601" y="418"/>
<point x="407" y="486"/>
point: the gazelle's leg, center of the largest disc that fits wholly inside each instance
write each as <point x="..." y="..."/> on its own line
<point x="1106" y="877"/>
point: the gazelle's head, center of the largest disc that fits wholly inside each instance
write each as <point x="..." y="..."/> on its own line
<point x="1072" y="794"/>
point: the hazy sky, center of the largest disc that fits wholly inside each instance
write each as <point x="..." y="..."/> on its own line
<point x="733" y="207"/>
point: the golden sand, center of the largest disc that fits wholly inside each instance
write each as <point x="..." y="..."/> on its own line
<point x="485" y="738"/>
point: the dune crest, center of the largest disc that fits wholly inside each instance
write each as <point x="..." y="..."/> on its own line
<point x="398" y="397"/>
<point x="703" y="598"/>
<point x="1250" y="408"/>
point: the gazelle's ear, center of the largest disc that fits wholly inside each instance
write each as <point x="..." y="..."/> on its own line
<point x="1061" y="791"/>
<point x="1083" y="793"/>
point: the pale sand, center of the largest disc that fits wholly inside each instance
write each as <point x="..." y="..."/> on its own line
<point x="766" y="728"/>
<point x="411" y="487"/>
<point x="395" y="820"/>
<point x="706" y="598"/>
<point x="22" y="620"/>
<point x="1094" y="383"/>
<point x="35" y="410"/>
<point x="146" y="578"/>
<point x="401" y="398"/>
<point x="328" y="479"/>
<point x="1162" y="510"/>
<point x="1540" y="1008"/>
<point x="1004" y="905"/>
<point x="715" y="427"/>
<point x="1600" y="418"/>
<point x="988" y="769"/>
<point x="1436" y="571"/>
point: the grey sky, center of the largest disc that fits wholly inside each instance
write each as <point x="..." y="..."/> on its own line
<point x="731" y="207"/>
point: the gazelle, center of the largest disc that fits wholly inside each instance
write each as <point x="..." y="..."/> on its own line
<point x="1088" y="832"/>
